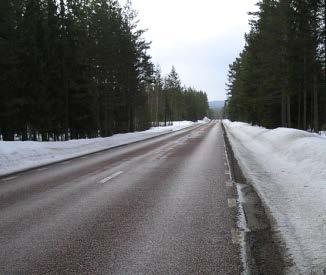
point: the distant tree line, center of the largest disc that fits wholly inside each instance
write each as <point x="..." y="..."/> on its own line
<point x="279" y="78"/>
<point x="169" y="101"/>
<point x="76" y="69"/>
<point x="216" y="113"/>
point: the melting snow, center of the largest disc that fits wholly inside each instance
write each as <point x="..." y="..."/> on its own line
<point x="288" y="169"/>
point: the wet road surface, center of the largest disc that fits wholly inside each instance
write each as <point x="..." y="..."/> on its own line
<point x="159" y="206"/>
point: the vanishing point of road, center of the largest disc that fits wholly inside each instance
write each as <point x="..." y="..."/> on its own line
<point x="157" y="206"/>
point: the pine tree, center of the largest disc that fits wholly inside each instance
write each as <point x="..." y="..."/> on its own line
<point x="77" y="69"/>
<point x="276" y="81"/>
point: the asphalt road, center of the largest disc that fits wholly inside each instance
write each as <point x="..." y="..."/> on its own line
<point x="159" y="206"/>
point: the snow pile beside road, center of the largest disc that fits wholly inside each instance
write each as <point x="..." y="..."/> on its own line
<point x="288" y="169"/>
<point x="176" y="125"/>
<point x="205" y="120"/>
<point x="18" y="155"/>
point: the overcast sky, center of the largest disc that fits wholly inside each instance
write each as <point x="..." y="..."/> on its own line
<point x="200" y="38"/>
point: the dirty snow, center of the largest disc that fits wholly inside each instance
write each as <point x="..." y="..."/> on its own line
<point x="18" y="155"/>
<point x="288" y="169"/>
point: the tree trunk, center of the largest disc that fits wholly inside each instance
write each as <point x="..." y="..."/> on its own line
<point x="304" y="122"/>
<point x="24" y="134"/>
<point x="44" y="136"/>
<point x="156" y="114"/>
<point x="165" y="107"/>
<point x="131" y="112"/>
<point x="131" y="118"/>
<point x="149" y="104"/>
<point x="106" y="115"/>
<point x="316" y="120"/>
<point x="289" y="124"/>
<point x="66" y="114"/>
<point x="65" y="83"/>
<point x="7" y="135"/>
<point x="34" y="135"/>
<point x="283" y="110"/>
<point x="312" y="108"/>
<point x="299" y="111"/>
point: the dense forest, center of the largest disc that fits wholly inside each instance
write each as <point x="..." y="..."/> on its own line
<point x="279" y="78"/>
<point x="81" y="69"/>
<point x="169" y="101"/>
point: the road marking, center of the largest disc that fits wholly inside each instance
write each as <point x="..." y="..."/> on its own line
<point x="111" y="177"/>
<point x="42" y="169"/>
<point x="65" y="162"/>
<point x="232" y="203"/>
<point x="228" y="173"/>
<point x="84" y="157"/>
<point x="229" y="183"/>
<point x="9" y="178"/>
<point x="235" y="236"/>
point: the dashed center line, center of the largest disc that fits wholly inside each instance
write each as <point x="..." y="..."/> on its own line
<point x="232" y="203"/>
<point x="229" y="183"/>
<point x="9" y="178"/>
<point x="235" y="235"/>
<point x="111" y="177"/>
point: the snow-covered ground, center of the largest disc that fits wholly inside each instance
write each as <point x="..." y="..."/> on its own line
<point x="288" y="169"/>
<point x="18" y="155"/>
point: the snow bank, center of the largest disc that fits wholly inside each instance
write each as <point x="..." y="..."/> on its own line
<point x="18" y="155"/>
<point x="288" y="169"/>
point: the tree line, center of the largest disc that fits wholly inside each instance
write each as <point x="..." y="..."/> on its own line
<point x="169" y="101"/>
<point x="76" y="69"/>
<point x="279" y="77"/>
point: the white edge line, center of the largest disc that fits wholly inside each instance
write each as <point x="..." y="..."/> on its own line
<point x="10" y="178"/>
<point x="235" y="236"/>
<point x="111" y="177"/>
<point x="229" y="183"/>
<point x="232" y="203"/>
<point x="227" y="160"/>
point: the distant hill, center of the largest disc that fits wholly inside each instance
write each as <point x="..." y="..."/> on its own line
<point x="216" y="104"/>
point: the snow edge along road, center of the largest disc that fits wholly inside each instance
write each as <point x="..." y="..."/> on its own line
<point x="287" y="168"/>
<point x="47" y="162"/>
<point x="261" y="251"/>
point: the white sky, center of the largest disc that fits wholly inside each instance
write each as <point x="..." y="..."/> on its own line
<point x="200" y="38"/>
